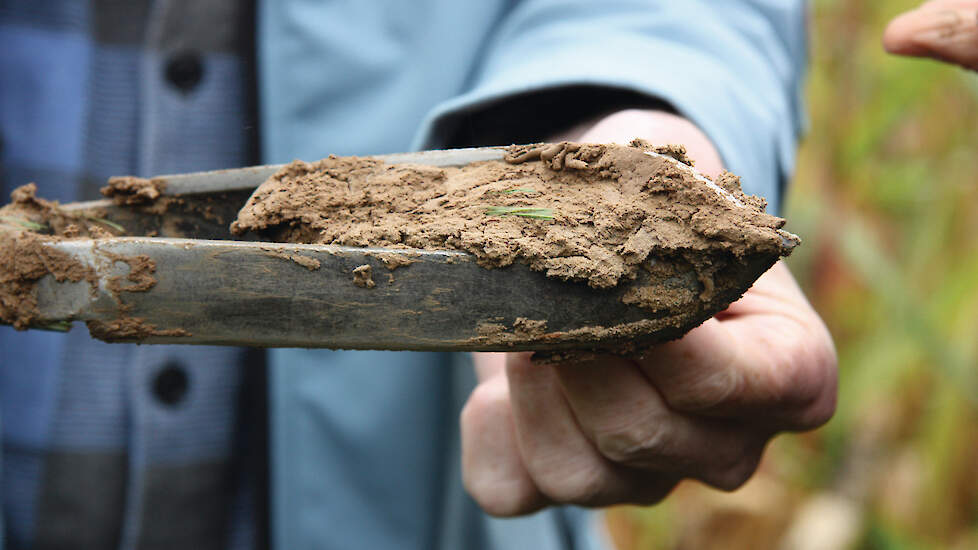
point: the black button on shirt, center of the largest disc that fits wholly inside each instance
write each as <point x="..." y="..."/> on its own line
<point x="171" y="384"/>
<point x="185" y="70"/>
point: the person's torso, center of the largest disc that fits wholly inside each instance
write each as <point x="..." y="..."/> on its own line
<point x="141" y="447"/>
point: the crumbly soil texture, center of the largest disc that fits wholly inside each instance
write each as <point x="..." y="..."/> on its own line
<point x="589" y="213"/>
<point x="600" y="215"/>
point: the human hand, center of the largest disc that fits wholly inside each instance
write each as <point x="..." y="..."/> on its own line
<point x="941" y="29"/>
<point x="617" y="430"/>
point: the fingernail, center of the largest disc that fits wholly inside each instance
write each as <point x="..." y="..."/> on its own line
<point x="937" y="26"/>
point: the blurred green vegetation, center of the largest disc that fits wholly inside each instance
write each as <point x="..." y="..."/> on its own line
<point x="886" y="198"/>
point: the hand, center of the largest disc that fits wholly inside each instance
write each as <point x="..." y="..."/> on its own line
<point x="626" y="431"/>
<point x="941" y="29"/>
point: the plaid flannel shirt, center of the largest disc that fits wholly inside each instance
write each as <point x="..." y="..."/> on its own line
<point x="121" y="446"/>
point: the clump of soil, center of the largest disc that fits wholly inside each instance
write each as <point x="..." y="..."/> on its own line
<point x="130" y="190"/>
<point x="24" y="260"/>
<point x="31" y="222"/>
<point x="27" y="211"/>
<point x="578" y="212"/>
<point x="363" y="277"/>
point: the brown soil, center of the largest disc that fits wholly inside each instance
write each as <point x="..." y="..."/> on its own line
<point x="24" y="260"/>
<point x="394" y="261"/>
<point x="129" y="329"/>
<point x="595" y="214"/>
<point x="312" y="264"/>
<point x="27" y="211"/>
<point x="363" y="277"/>
<point x="130" y="190"/>
<point x="578" y="212"/>
<point x="139" y="279"/>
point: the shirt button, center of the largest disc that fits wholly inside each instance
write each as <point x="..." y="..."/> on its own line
<point x="185" y="70"/>
<point x="171" y="384"/>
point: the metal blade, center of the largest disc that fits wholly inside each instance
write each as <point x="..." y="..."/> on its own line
<point x="212" y="289"/>
<point x="272" y="295"/>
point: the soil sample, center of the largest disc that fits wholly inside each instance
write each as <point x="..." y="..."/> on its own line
<point x="578" y="212"/>
<point x="26" y="224"/>
<point x="631" y="224"/>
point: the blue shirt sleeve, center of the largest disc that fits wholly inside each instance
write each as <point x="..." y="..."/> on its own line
<point x="734" y="68"/>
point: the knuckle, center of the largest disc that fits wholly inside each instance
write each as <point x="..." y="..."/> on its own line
<point x="735" y="478"/>
<point x="815" y="394"/>
<point x="803" y="380"/>
<point x="707" y="392"/>
<point x="738" y="470"/>
<point x="501" y="498"/>
<point x="819" y="412"/>
<point x="637" y="443"/>
<point x="584" y="486"/>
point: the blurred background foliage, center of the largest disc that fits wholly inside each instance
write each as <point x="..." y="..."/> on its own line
<point x="886" y="198"/>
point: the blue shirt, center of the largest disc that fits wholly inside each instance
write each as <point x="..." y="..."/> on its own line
<point x="363" y="445"/>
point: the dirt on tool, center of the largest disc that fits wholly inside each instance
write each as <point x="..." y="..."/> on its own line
<point x="130" y="190"/>
<point x="312" y="264"/>
<point x="31" y="223"/>
<point x="27" y="211"/>
<point x="578" y="212"/>
<point x="363" y="277"/>
<point x="129" y="329"/>
<point x="24" y="260"/>
<point x="601" y="215"/>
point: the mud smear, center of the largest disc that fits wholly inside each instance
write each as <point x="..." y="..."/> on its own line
<point x="28" y="223"/>
<point x="140" y="278"/>
<point x="24" y="260"/>
<point x="129" y="329"/>
<point x="31" y="223"/>
<point x="312" y="264"/>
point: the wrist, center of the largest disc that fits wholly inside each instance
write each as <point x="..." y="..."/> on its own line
<point x="659" y="127"/>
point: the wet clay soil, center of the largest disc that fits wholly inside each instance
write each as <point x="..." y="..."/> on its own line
<point x="23" y="258"/>
<point x="129" y="190"/>
<point x="29" y="223"/>
<point x="578" y="212"/>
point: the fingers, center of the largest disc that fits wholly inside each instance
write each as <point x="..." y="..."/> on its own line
<point x="769" y="359"/>
<point x="562" y="461"/>
<point x="943" y="29"/>
<point x="616" y="430"/>
<point x="704" y="372"/>
<point x="629" y="424"/>
<point x="492" y="468"/>
<point x="488" y="364"/>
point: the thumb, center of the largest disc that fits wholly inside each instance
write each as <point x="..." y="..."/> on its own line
<point x="941" y="29"/>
